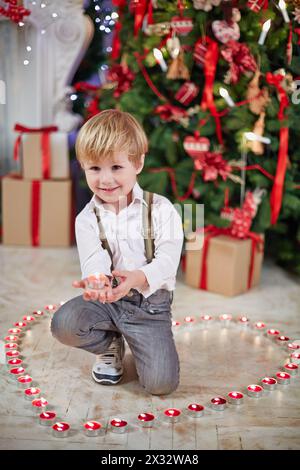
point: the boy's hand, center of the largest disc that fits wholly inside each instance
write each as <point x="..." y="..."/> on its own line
<point x="96" y="287"/>
<point x="128" y="280"/>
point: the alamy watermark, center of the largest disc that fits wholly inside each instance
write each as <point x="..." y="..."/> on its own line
<point x="296" y="93"/>
<point x="2" y="92"/>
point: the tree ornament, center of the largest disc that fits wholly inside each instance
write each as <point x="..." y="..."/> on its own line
<point x="296" y="14"/>
<point x="240" y="60"/>
<point x="206" y="5"/>
<point x="182" y="25"/>
<point x="195" y="146"/>
<point x="200" y="51"/>
<point x="13" y="10"/>
<point x="254" y="145"/>
<point x="226" y="30"/>
<point x="259" y="98"/>
<point x="187" y="92"/>
<point x="257" y="5"/>
<point x="173" y="46"/>
<point x="158" y="29"/>
<point x="178" y="69"/>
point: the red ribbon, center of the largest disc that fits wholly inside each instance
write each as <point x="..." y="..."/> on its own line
<point x="45" y="144"/>
<point x="210" y="67"/>
<point x="211" y="231"/>
<point x="140" y="10"/>
<point x="35" y="212"/>
<point x="277" y="190"/>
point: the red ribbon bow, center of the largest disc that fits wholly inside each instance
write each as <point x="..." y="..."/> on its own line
<point x="45" y="144"/>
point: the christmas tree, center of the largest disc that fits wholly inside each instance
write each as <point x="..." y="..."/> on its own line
<point x="214" y="83"/>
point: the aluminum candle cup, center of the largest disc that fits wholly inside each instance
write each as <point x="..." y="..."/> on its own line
<point x="60" y="429"/>
<point x="118" y="425"/>
<point x="255" y="391"/>
<point x="172" y="415"/>
<point x="235" y="398"/>
<point x="92" y="428"/>
<point x="269" y="383"/>
<point x="283" y="378"/>
<point x="291" y="368"/>
<point x="194" y="410"/>
<point x="47" y="418"/>
<point x="146" y="420"/>
<point x="218" y="403"/>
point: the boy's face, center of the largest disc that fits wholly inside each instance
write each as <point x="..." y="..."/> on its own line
<point x="114" y="178"/>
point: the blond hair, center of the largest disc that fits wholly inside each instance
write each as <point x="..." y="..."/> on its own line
<point x="108" y="132"/>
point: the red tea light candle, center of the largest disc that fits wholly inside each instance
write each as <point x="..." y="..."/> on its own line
<point x="50" y="308"/>
<point x="17" y="372"/>
<point x="225" y="319"/>
<point x="269" y="383"/>
<point x="255" y="391"/>
<point x="21" y="325"/>
<point x="283" y="378"/>
<point x="146" y="420"/>
<point x="60" y="429"/>
<point x="12" y="339"/>
<point x="206" y="319"/>
<point x="273" y="333"/>
<point x="28" y="318"/>
<point x="92" y="428"/>
<point x="11" y="346"/>
<point x="259" y="326"/>
<point x="25" y="381"/>
<point x="47" y="418"/>
<point x="218" y="403"/>
<point x="39" y="405"/>
<point x="291" y="368"/>
<point x="175" y="323"/>
<point x="194" y="410"/>
<point x="295" y="357"/>
<point x="235" y="398"/>
<point x="14" y="363"/>
<point x="172" y="415"/>
<point x="38" y="313"/>
<point x="292" y="347"/>
<point x="12" y="354"/>
<point x="189" y="320"/>
<point x="118" y="425"/>
<point x="244" y="321"/>
<point x="31" y="393"/>
<point x="15" y="331"/>
<point x="282" y="340"/>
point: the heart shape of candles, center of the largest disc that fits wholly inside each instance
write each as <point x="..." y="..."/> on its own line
<point x="171" y="415"/>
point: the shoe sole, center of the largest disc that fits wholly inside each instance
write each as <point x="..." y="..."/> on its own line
<point x="106" y="380"/>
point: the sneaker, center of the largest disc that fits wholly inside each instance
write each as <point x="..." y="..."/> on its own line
<point x="108" y="368"/>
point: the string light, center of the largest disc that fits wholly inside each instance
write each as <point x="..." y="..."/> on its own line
<point x="28" y="48"/>
<point x="114" y="15"/>
<point x="26" y="62"/>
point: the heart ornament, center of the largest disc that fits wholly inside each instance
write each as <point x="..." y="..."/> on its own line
<point x="225" y="32"/>
<point x="182" y="25"/>
<point x="195" y="146"/>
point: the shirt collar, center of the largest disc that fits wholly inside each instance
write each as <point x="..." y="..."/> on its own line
<point x="137" y="195"/>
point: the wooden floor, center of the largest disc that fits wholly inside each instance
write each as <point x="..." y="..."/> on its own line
<point x="214" y="361"/>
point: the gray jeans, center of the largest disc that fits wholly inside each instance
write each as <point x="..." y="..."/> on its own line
<point x="145" y="323"/>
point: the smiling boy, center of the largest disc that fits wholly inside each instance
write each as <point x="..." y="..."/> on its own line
<point x="111" y="240"/>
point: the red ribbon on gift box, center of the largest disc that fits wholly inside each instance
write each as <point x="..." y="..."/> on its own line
<point x="212" y="231"/>
<point x="45" y="144"/>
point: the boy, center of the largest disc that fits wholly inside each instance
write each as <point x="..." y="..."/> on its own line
<point x="111" y="149"/>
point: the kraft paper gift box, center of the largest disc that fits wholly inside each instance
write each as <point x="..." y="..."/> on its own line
<point x="32" y="156"/>
<point x="228" y="264"/>
<point x="36" y="213"/>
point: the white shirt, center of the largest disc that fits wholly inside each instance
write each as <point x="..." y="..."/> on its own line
<point x="124" y="235"/>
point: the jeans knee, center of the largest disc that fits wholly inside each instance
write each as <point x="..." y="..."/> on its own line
<point x="57" y="326"/>
<point x="162" y="387"/>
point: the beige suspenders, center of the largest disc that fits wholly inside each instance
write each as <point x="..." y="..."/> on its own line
<point x="147" y="229"/>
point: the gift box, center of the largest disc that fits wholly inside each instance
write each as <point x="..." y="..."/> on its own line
<point x="37" y="213"/>
<point x="226" y="265"/>
<point x="187" y="92"/>
<point x="44" y="154"/>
